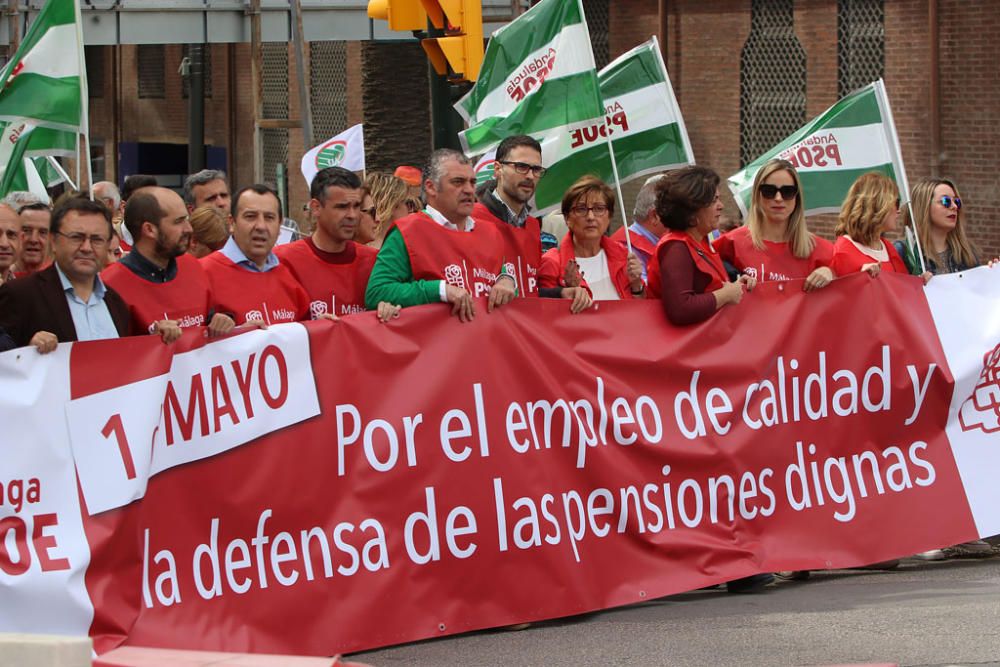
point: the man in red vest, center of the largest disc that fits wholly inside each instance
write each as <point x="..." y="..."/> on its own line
<point x="165" y="288"/>
<point x="246" y="278"/>
<point x="331" y="267"/>
<point x="647" y="228"/>
<point x="440" y="254"/>
<point x="504" y="203"/>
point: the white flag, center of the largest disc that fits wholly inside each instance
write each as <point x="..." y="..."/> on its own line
<point x="346" y="150"/>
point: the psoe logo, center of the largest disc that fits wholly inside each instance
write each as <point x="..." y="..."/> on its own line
<point x="252" y="315"/>
<point x="317" y="309"/>
<point x="331" y="154"/>
<point x="453" y="275"/>
<point x="981" y="410"/>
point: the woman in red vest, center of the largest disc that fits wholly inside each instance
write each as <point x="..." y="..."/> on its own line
<point x="686" y="273"/>
<point x="606" y="269"/>
<point x="775" y="243"/>
<point x="870" y="210"/>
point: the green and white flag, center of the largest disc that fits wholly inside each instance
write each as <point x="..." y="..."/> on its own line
<point x="538" y="77"/>
<point x="346" y="150"/>
<point x="43" y="93"/>
<point x="854" y="136"/>
<point x="642" y="119"/>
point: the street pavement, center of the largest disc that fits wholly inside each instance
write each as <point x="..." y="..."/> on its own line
<point x="923" y="613"/>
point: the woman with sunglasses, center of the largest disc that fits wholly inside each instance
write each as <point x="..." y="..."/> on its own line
<point x="775" y="243"/>
<point x="870" y="211"/>
<point x="587" y="256"/>
<point x="385" y="200"/>
<point x="686" y="273"/>
<point x="936" y="208"/>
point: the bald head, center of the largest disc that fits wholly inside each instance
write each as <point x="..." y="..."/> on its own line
<point x="108" y="193"/>
<point x="158" y="221"/>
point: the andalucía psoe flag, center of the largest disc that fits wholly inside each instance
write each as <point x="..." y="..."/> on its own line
<point x="25" y="154"/>
<point x="854" y="136"/>
<point x="642" y="119"/>
<point x="346" y="150"/>
<point x="538" y="76"/>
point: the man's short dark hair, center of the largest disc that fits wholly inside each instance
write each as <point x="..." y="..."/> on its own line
<point x="37" y="206"/>
<point x="134" y="182"/>
<point x="518" y="140"/>
<point x="259" y="188"/>
<point x="83" y="206"/>
<point x="143" y="207"/>
<point x="203" y="177"/>
<point x="336" y="177"/>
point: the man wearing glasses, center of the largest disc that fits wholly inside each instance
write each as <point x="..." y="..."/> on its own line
<point x="67" y="301"/>
<point x="166" y="288"/>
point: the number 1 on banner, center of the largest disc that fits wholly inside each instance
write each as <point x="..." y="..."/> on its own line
<point x="114" y="427"/>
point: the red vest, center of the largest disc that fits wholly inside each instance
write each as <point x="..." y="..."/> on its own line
<point x="332" y="287"/>
<point x="848" y="259"/>
<point x="186" y="299"/>
<point x="553" y="270"/>
<point x="775" y="261"/>
<point x="643" y="248"/>
<point x="522" y="248"/>
<point x="705" y="259"/>
<point x="274" y="296"/>
<point x="470" y="260"/>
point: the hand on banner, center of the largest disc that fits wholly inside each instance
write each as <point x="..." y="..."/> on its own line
<point x="327" y="316"/>
<point x="729" y="293"/>
<point x="634" y="272"/>
<point x="502" y="292"/>
<point x="993" y="262"/>
<point x="926" y="275"/>
<point x="581" y="299"/>
<point x="250" y="325"/>
<point x="818" y="279"/>
<point x="387" y="311"/>
<point x="872" y="269"/>
<point x="462" y="304"/>
<point x="220" y="325"/>
<point x="747" y="281"/>
<point x="167" y="330"/>
<point x="44" y="342"/>
<point x="572" y="277"/>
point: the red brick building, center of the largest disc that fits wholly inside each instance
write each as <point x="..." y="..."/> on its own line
<point x="746" y="73"/>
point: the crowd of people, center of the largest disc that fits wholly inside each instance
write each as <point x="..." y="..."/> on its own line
<point x="147" y="260"/>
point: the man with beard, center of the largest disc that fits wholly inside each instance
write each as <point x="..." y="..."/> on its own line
<point x="166" y="289"/>
<point x="440" y="254"/>
<point x="517" y="169"/>
<point x="35" y="221"/>
<point x="246" y="278"/>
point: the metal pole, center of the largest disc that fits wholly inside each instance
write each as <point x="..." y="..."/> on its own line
<point x="257" y="82"/>
<point x="298" y="42"/>
<point x="196" y="108"/>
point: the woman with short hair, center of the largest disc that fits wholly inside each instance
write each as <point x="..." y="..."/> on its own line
<point x="686" y="273"/>
<point x="775" y="244"/>
<point x="209" y="231"/>
<point x="605" y="268"/>
<point x="870" y="211"/>
<point x="385" y="202"/>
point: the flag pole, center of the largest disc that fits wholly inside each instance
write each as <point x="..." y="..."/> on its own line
<point x="618" y="189"/>
<point x="84" y="105"/>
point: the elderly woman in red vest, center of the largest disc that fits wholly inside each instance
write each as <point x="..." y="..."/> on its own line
<point x="686" y="272"/>
<point x="586" y="253"/>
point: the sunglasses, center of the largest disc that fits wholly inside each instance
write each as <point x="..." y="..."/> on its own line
<point x="947" y="201"/>
<point x="768" y="191"/>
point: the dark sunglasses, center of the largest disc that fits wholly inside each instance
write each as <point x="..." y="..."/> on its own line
<point x="947" y="201"/>
<point x="768" y="191"/>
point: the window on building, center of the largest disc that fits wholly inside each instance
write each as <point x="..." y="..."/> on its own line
<point x="328" y="88"/>
<point x="152" y="75"/>
<point x="860" y="43"/>
<point x="274" y="98"/>
<point x="597" y="14"/>
<point x="206" y="50"/>
<point x="772" y="79"/>
<point x="93" y="56"/>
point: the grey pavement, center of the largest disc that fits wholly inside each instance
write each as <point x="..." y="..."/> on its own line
<point x="924" y="613"/>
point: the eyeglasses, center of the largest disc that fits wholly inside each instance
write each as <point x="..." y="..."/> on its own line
<point x="582" y="210"/>
<point x="947" y="201"/>
<point x="370" y="212"/>
<point x="768" y="191"/>
<point x="524" y="168"/>
<point x="96" y="241"/>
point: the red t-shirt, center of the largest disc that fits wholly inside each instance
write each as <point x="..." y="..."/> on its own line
<point x="847" y="258"/>
<point x="775" y="261"/>
<point x="187" y="298"/>
<point x="522" y="248"/>
<point x="470" y="260"/>
<point x="335" y="282"/>
<point x="273" y="296"/>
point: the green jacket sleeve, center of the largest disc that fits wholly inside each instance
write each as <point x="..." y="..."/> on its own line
<point x="392" y="280"/>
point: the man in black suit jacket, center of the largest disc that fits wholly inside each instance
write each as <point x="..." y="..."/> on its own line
<point x="67" y="301"/>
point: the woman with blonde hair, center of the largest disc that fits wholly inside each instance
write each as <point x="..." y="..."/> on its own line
<point x="775" y="243"/>
<point x="936" y="209"/>
<point x="870" y="210"/>
<point x="209" y="231"/>
<point x="388" y="203"/>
